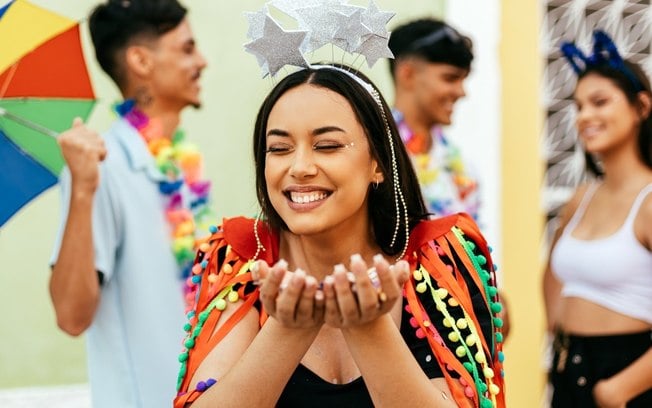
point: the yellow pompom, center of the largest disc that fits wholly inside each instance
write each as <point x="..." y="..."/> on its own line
<point x="422" y="287"/>
<point x="233" y="296"/>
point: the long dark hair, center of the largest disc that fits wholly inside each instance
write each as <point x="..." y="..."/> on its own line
<point x="631" y="87"/>
<point x="381" y="201"/>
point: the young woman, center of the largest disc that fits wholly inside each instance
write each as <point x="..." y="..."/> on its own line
<point x="344" y="295"/>
<point x="598" y="285"/>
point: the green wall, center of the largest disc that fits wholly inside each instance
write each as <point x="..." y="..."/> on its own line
<point x="32" y="350"/>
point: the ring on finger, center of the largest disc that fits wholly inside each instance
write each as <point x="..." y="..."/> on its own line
<point x="382" y="297"/>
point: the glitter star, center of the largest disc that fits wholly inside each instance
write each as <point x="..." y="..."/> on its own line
<point x="321" y="23"/>
<point x="256" y="22"/>
<point x="277" y="47"/>
<point x="374" y="47"/>
<point x="350" y="34"/>
<point x="376" y="20"/>
<point x="289" y="7"/>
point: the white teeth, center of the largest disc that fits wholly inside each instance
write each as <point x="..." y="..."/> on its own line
<point x="302" y="198"/>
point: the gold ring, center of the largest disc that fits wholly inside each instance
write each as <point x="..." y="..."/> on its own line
<point x="382" y="297"/>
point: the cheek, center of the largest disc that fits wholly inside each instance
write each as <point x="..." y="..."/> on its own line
<point x="274" y="172"/>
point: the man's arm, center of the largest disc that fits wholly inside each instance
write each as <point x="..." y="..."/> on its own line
<point x="74" y="283"/>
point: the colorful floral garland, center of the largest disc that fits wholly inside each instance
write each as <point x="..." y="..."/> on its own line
<point x="453" y="164"/>
<point x="185" y="191"/>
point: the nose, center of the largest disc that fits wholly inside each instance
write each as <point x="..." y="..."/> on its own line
<point x="303" y="164"/>
<point x="201" y="60"/>
<point x="582" y="115"/>
<point x="459" y="90"/>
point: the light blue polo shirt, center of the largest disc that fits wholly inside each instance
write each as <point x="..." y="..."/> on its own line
<point x="135" y="338"/>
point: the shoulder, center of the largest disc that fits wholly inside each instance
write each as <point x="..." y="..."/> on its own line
<point x="569" y="208"/>
<point x="432" y="230"/>
<point x="644" y="219"/>
<point x="238" y="233"/>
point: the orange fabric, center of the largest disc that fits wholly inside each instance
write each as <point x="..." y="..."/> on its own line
<point x="235" y="245"/>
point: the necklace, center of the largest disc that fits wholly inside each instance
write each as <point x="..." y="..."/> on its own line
<point x="184" y="190"/>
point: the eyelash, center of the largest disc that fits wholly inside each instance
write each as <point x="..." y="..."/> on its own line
<point x="327" y="148"/>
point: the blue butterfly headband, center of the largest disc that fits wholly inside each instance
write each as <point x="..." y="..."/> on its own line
<point x="604" y="53"/>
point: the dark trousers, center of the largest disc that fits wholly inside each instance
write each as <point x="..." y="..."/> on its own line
<point x="581" y="361"/>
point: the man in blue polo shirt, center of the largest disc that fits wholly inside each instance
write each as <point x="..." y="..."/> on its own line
<point x="114" y="274"/>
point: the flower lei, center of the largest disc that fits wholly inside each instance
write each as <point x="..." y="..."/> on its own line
<point x="415" y="145"/>
<point x="185" y="192"/>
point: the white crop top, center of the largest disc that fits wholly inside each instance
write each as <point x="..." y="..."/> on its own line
<point x="614" y="272"/>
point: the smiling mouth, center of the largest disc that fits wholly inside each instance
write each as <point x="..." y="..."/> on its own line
<point x="306" y="197"/>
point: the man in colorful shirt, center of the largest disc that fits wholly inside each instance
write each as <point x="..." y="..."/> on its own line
<point x="432" y="60"/>
<point x="115" y="276"/>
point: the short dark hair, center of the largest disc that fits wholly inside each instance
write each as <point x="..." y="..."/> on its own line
<point x="382" y="208"/>
<point x="432" y="40"/>
<point x="624" y="81"/>
<point x="116" y="23"/>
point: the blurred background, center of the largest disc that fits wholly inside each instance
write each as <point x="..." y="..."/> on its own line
<point x="514" y="127"/>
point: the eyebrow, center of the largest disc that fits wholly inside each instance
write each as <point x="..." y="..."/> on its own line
<point x="315" y="132"/>
<point x="189" y="42"/>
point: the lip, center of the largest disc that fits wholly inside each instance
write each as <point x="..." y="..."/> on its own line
<point x="590" y="131"/>
<point x="306" y="189"/>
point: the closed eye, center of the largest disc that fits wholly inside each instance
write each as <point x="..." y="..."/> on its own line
<point x="329" y="146"/>
<point x="279" y="149"/>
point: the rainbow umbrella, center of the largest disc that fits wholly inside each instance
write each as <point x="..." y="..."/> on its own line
<point x="44" y="84"/>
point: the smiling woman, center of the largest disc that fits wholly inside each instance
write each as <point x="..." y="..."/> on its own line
<point x="598" y="286"/>
<point x="344" y="294"/>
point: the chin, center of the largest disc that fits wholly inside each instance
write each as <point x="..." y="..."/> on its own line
<point x="304" y="227"/>
<point x="443" y="121"/>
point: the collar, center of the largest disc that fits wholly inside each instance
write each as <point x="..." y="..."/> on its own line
<point x="134" y="147"/>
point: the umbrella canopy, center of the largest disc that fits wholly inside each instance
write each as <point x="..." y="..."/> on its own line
<point x="44" y="81"/>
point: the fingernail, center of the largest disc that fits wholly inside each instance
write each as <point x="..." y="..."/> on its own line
<point x="356" y="258"/>
<point x="339" y="268"/>
<point x="378" y="258"/>
<point x="282" y="263"/>
<point x="319" y="295"/>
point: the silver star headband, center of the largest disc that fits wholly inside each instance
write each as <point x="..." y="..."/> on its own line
<point x="353" y="29"/>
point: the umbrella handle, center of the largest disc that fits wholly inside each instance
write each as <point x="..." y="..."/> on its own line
<point x="28" y="123"/>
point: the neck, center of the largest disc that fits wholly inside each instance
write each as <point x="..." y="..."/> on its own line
<point x="169" y="120"/>
<point x="168" y="116"/>
<point x="317" y="254"/>
<point x="417" y="122"/>
<point x="622" y="172"/>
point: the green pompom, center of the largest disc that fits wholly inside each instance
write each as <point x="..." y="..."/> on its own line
<point x="486" y="403"/>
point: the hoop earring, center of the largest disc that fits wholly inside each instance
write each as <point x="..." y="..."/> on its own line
<point x="375" y="184"/>
<point x="259" y="245"/>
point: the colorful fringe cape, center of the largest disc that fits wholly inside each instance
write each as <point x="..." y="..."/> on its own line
<point x="451" y="296"/>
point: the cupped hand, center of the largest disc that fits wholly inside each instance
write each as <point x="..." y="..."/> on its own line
<point x="292" y="298"/>
<point x="369" y="294"/>
<point x="83" y="149"/>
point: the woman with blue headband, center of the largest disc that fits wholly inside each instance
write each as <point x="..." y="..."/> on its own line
<point x="598" y="284"/>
